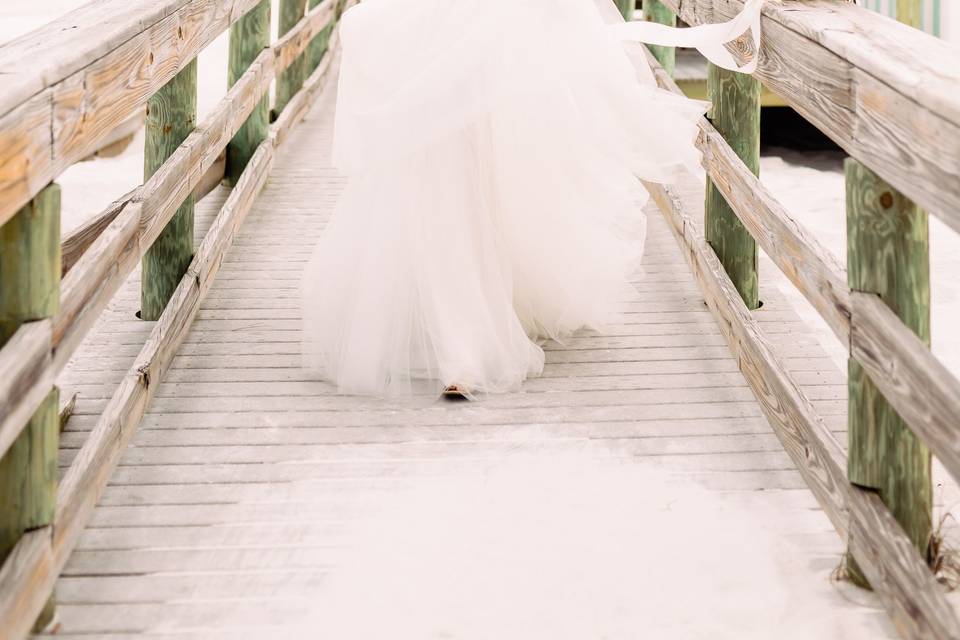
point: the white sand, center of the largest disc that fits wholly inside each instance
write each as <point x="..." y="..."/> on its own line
<point x="569" y="548"/>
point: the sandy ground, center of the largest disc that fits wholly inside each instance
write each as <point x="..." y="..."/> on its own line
<point x="812" y="187"/>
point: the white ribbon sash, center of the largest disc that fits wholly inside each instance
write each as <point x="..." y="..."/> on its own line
<point x="708" y="39"/>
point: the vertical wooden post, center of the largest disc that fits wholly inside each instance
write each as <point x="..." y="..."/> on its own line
<point x="290" y="81"/>
<point x="171" y="117"/>
<point x="910" y="12"/>
<point x="29" y="291"/>
<point x="736" y="115"/>
<point x="656" y="11"/>
<point x="249" y="36"/>
<point x="627" y="8"/>
<point x="888" y="254"/>
<point x="318" y="47"/>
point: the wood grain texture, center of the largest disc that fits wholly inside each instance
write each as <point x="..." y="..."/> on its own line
<point x="899" y="575"/>
<point x="249" y="36"/>
<point x="920" y="388"/>
<point x="30" y="263"/>
<point x="107" y="257"/>
<point x="27" y="378"/>
<point x="291" y="79"/>
<point x="26" y="154"/>
<point x="29" y="292"/>
<point x="883" y="91"/>
<point x="312" y="88"/>
<point x="79" y="490"/>
<point x="816" y="273"/>
<point x="297" y="41"/>
<point x="881" y="547"/>
<point x="37" y="568"/>
<point x="255" y="435"/>
<point x="171" y="118"/>
<point x="888" y="254"/>
<point x="75" y="243"/>
<point x="736" y="116"/>
<point x="70" y="84"/>
<point x="21" y="578"/>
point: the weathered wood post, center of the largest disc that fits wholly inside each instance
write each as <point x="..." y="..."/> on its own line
<point x="290" y="81"/>
<point x="910" y="12"/>
<point x="656" y="11"/>
<point x="171" y="117"/>
<point x="249" y="36"/>
<point x="30" y="291"/>
<point x="318" y="47"/>
<point x="888" y="253"/>
<point x="736" y="115"/>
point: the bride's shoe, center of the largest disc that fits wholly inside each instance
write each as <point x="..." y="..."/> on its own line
<point x="456" y="392"/>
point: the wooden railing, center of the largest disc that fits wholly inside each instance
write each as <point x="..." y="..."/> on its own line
<point x="889" y="95"/>
<point x="885" y="93"/>
<point x="64" y="88"/>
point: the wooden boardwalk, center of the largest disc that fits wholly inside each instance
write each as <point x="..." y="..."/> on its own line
<point x="244" y="463"/>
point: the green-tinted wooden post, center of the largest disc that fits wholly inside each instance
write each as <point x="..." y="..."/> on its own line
<point x="627" y="8"/>
<point x="30" y="290"/>
<point x="171" y="117"/>
<point x="910" y="12"/>
<point x="249" y="36"/>
<point x="318" y="47"/>
<point x="736" y="115"/>
<point x="656" y="11"/>
<point x="888" y="254"/>
<point x="290" y="81"/>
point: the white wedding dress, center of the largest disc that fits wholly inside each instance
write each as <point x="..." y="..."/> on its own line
<point x="492" y="150"/>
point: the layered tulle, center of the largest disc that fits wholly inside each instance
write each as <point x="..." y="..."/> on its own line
<point x="492" y="149"/>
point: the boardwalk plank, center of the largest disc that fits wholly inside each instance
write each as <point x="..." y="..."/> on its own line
<point x="247" y="474"/>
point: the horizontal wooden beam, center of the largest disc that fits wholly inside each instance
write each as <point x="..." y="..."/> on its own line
<point x="76" y="243"/>
<point x="130" y="225"/>
<point x="300" y="104"/>
<point x="885" y="92"/>
<point x="66" y="93"/>
<point x="27" y="378"/>
<point x="294" y="43"/>
<point x="811" y="267"/>
<point x="37" y="561"/>
<point x="23" y="576"/>
<point x="923" y="391"/>
<point x="907" y="588"/>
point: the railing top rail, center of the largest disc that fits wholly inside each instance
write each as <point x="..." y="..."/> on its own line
<point x="65" y="86"/>
<point x="45" y="56"/>
<point x="885" y="92"/>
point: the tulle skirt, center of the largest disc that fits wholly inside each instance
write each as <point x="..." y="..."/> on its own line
<point x="492" y="149"/>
